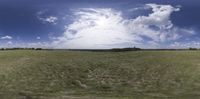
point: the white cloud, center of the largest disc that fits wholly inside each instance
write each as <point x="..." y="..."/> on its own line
<point x="101" y="28"/>
<point x="7" y="37"/>
<point x="139" y="7"/>
<point x="37" y="45"/>
<point x="95" y="28"/>
<point x="107" y="28"/>
<point x="9" y="42"/>
<point x="49" y="19"/>
<point x="157" y="25"/>
<point x="194" y="44"/>
<point x="38" y="38"/>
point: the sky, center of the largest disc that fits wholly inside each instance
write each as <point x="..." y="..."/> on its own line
<point x="100" y="24"/>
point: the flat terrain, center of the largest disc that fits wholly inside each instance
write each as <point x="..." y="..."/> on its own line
<point x="29" y="74"/>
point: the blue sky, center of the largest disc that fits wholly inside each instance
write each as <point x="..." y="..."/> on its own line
<point x="100" y="23"/>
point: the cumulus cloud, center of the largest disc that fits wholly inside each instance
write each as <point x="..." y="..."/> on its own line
<point x="38" y="38"/>
<point x="49" y="19"/>
<point x="98" y="28"/>
<point x="9" y="42"/>
<point x="195" y="44"/>
<point x="7" y="37"/>
<point x="37" y="45"/>
<point x="157" y="25"/>
<point x="138" y="8"/>
<point x="106" y="28"/>
<point x="94" y="28"/>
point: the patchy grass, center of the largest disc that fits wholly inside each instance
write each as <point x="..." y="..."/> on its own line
<point x="99" y="75"/>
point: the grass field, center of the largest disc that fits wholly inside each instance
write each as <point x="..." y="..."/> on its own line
<point x="26" y="74"/>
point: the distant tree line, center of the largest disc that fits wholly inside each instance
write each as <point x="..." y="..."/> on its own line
<point x="191" y="48"/>
<point x="18" y="48"/>
<point x="113" y="50"/>
<point x="125" y="49"/>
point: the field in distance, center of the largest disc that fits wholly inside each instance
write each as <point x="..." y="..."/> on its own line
<point x="31" y="74"/>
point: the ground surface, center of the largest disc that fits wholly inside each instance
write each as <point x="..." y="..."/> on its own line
<point x="99" y="75"/>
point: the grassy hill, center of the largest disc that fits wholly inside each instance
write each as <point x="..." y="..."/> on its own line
<point x="29" y="74"/>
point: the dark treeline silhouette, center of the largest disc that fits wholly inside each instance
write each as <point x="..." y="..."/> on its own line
<point x="125" y="49"/>
<point x="171" y="49"/>
<point x="193" y="48"/>
<point x="108" y="50"/>
<point x="103" y="50"/>
<point x="18" y="48"/>
<point x="130" y="49"/>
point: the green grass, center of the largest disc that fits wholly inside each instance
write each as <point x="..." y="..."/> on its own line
<point x="99" y="75"/>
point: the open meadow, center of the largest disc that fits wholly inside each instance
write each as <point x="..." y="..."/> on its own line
<point x="42" y="74"/>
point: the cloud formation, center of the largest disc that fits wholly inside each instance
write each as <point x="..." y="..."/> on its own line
<point x="194" y="44"/>
<point x="7" y="37"/>
<point x="106" y="28"/>
<point x="38" y="38"/>
<point x="47" y="19"/>
<point x="94" y="28"/>
<point x="51" y="19"/>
